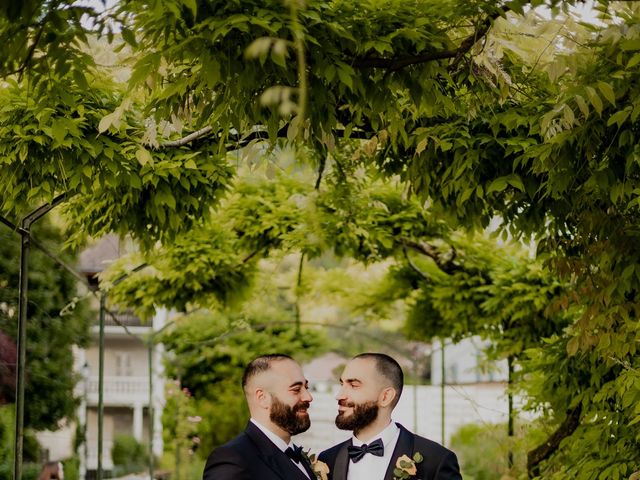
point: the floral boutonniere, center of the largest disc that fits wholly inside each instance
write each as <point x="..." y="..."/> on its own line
<point x="406" y="467"/>
<point x="320" y="469"/>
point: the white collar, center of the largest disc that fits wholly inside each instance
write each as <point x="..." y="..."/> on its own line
<point x="387" y="435"/>
<point x="275" y="439"/>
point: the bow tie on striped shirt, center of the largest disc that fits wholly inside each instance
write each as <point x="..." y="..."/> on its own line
<point x="294" y="453"/>
<point x="374" y="448"/>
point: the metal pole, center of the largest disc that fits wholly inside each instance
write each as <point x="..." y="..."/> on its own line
<point x="178" y="443"/>
<point x="151" y="412"/>
<point x="299" y="284"/>
<point x="25" y="240"/>
<point x="85" y="442"/>
<point x="510" y="399"/>
<point x="442" y="391"/>
<point x="103" y="301"/>
<point x="22" y="349"/>
<point x="415" y="396"/>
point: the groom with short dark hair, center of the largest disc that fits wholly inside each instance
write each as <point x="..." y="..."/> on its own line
<point x="371" y="385"/>
<point x="278" y="398"/>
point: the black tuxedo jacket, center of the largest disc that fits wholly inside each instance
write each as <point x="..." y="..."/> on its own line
<point x="438" y="463"/>
<point x="252" y="456"/>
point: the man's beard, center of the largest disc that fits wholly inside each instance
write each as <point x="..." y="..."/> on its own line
<point x="364" y="414"/>
<point x="287" y="417"/>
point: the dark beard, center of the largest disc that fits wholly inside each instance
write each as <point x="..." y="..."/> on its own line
<point x="364" y="414"/>
<point x="287" y="418"/>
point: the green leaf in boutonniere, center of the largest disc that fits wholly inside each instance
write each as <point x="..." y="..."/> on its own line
<point x="406" y="467"/>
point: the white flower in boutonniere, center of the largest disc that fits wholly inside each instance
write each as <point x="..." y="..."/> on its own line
<point x="320" y="469"/>
<point x="406" y="467"/>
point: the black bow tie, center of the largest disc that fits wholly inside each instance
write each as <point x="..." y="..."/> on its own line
<point x="374" y="448"/>
<point x="294" y="453"/>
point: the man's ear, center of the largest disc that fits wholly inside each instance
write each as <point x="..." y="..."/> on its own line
<point x="387" y="396"/>
<point x="262" y="398"/>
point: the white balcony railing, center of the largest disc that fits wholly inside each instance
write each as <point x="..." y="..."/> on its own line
<point x="119" y="390"/>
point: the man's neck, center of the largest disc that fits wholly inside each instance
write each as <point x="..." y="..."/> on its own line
<point x="373" y="430"/>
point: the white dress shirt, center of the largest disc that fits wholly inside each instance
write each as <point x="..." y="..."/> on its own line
<point x="278" y="442"/>
<point x="371" y="467"/>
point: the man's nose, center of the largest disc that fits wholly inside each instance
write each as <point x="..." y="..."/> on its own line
<point x="340" y="395"/>
<point x="306" y="396"/>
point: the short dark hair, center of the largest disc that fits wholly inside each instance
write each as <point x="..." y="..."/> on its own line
<point x="389" y="369"/>
<point x="261" y="364"/>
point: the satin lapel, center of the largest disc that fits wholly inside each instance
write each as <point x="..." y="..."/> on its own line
<point x="403" y="447"/>
<point x="341" y="465"/>
<point x="285" y="467"/>
<point x="272" y="456"/>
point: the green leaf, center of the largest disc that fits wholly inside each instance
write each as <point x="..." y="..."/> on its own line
<point x="106" y="122"/>
<point x="594" y="99"/>
<point x="572" y="346"/>
<point x="607" y="92"/>
<point x="80" y="79"/>
<point x="345" y="77"/>
<point x="582" y="105"/>
<point x="498" y="185"/>
<point x="59" y="130"/>
<point x="192" y="5"/>
<point x="515" y="181"/>
<point x="619" y="117"/>
<point x="129" y="37"/>
<point x="635" y="60"/>
<point x="144" y="157"/>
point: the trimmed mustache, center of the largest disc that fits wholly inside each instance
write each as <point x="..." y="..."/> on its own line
<point x="301" y="406"/>
<point x="344" y="403"/>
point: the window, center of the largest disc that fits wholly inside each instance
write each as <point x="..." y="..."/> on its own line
<point x="123" y="364"/>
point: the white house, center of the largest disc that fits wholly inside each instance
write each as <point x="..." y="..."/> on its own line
<point x="133" y="377"/>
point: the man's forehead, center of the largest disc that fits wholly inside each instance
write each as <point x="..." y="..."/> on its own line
<point x="285" y="370"/>
<point x="359" y="369"/>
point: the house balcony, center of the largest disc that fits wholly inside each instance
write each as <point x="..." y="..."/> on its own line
<point x="119" y="323"/>
<point x="119" y="391"/>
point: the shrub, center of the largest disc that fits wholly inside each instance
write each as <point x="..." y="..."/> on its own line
<point x="483" y="450"/>
<point x="128" y="455"/>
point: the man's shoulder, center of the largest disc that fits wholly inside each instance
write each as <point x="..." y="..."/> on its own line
<point x="237" y="446"/>
<point x="426" y="445"/>
<point x="430" y="445"/>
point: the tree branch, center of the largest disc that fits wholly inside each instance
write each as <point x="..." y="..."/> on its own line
<point x="446" y="265"/>
<point x="321" y="166"/>
<point x="189" y="138"/>
<point x="239" y="141"/>
<point x="544" y="451"/>
<point x="395" y="64"/>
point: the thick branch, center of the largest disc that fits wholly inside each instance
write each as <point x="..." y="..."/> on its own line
<point x="544" y="451"/>
<point x="237" y="142"/>
<point x="446" y="265"/>
<point x="189" y="138"/>
<point x="394" y="64"/>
